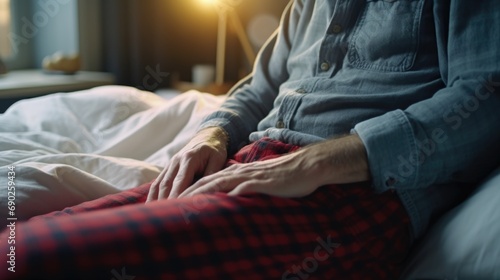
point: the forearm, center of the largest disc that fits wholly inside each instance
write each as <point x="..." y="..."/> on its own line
<point x="336" y="161"/>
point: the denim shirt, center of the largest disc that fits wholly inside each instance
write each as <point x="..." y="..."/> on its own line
<point x="417" y="80"/>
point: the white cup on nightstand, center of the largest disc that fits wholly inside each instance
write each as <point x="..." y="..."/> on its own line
<point x="203" y="74"/>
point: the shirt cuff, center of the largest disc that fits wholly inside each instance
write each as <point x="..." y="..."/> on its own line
<point x="392" y="151"/>
<point x="236" y="141"/>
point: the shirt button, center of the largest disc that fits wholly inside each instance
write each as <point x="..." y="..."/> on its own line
<point x="325" y="66"/>
<point x="280" y="124"/>
<point x="336" y="28"/>
<point x="300" y="90"/>
<point x="390" y="182"/>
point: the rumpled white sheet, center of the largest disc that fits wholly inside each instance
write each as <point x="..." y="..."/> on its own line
<point x="68" y="148"/>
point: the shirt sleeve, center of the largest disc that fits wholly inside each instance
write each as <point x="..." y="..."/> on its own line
<point x="453" y="136"/>
<point x="243" y="110"/>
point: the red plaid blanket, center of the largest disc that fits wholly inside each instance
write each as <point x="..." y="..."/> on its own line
<point x="341" y="232"/>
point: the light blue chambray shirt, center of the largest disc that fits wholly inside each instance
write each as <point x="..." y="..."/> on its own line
<point x="417" y="80"/>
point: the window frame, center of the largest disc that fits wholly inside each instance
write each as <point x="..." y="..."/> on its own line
<point x="21" y="59"/>
<point x="9" y="22"/>
<point x="31" y="52"/>
<point x="88" y="38"/>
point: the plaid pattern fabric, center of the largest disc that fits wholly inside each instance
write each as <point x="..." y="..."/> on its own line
<point x="338" y="232"/>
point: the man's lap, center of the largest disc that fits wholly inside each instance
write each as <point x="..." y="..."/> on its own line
<point x="331" y="232"/>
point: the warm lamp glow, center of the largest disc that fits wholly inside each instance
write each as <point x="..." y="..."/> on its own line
<point x="224" y="4"/>
<point x="225" y="11"/>
<point x="208" y="2"/>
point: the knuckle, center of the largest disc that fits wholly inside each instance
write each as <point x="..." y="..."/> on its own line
<point x="189" y="154"/>
<point x="261" y="175"/>
<point x="179" y="178"/>
<point x="164" y="184"/>
<point x="220" y="184"/>
<point x="175" y="159"/>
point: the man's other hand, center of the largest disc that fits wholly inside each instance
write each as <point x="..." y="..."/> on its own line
<point x="205" y="154"/>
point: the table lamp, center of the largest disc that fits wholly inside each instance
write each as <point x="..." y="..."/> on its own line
<point x="226" y="12"/>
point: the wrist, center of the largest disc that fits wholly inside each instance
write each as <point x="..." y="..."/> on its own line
<point x="338" y="161"/>
<point x="215" y="133"/>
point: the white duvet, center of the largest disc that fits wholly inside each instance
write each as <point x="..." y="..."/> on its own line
<point x="68" y="148"/>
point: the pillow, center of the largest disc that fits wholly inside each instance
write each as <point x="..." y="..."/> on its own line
<point x="465" y="242"/>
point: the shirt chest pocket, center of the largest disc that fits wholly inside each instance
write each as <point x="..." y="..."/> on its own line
<point x="386" y="35"/>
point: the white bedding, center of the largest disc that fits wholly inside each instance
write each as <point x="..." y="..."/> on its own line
<point x="68" y="148"/>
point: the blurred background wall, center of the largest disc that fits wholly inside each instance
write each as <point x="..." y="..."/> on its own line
<point x="170" y="36"/>
<point x="129" y="38"/>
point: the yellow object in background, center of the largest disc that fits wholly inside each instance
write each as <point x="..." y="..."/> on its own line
<point x="59" y="62"/>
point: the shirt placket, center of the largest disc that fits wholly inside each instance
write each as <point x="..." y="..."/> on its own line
<point x="334" y="45"/>
<point x="288" y="108"/>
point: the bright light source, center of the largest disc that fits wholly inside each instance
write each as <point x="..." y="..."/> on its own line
<point x="208" y="2"/>
<point x="226" y="11"/>
<point x="222" y="3"/>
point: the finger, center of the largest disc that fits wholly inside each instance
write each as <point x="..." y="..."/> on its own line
<point x="153" y="189"/>
<point x="212" y="184"/>
<point x="166" y="182"/>
<point x="247" y="188"/>
<point x="183" y="178"/>
<point x="214" y="165"/>
<point x="206" y="189"/>
<point x="153" y="192"/>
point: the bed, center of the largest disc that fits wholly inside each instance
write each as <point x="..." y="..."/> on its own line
<point x="68" y="148"/>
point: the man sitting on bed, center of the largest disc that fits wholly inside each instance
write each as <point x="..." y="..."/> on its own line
<point x="396" y="106"/>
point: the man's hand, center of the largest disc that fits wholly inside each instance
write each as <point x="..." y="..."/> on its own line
<point x="205" y="154"/>
<point x="286" y="176"/>
<point x="297" y="174"/>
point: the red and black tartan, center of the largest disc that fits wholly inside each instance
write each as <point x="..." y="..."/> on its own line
<point x="338" y="232"/>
